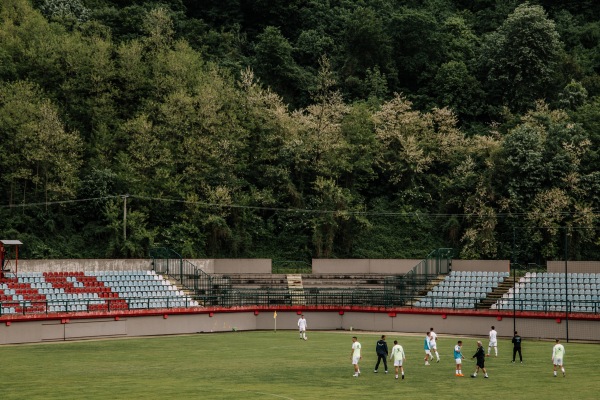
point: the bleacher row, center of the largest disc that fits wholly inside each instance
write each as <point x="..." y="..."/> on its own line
<point x="48" y="292"/>
<point x="545" y="292"/>
<point x="462" y="289"/>
<point x="576" y="292"/>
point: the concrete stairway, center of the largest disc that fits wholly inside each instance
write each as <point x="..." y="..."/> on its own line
<point x="496" y="295"/>
<point x="296" y="289"/>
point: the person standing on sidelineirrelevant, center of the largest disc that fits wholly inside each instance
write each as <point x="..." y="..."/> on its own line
<point x="433" y="344"/>
<point x="302" y="327"/>
<point x="516" y="340"/>
<point x="382" y="352"/>
<point x="398" y="356"/>
<point x="558" y="354"/>
<point x="493" y="341"/>
<point x="355" y="355"/>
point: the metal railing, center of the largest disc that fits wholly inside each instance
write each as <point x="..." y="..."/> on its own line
<point x="31" y="307"/>
<point x="438" y="262"/>
<point x="283" y="297"/>
<point x="207" y="288"/>
<point x="313" y="297"/>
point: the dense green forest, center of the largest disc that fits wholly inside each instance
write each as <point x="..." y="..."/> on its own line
<point x="301" y="129"/>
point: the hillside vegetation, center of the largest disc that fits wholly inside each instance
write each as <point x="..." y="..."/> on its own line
<point x="300" y="129"/>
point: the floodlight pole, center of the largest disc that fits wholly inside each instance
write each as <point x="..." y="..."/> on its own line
<point x="514" y="268"/>
<point x="125" y="217"/>
<point x="566" y="284"/>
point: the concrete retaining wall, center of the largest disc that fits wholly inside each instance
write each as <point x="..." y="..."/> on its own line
<point x="244" y="320"/>
<point x="319" y="266"/>
<point x="362" y="266"/>
<point x="481" y="265"/>
<point x="590" y="267"/>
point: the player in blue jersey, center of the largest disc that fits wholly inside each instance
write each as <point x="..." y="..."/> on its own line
<point x="427" y="347"/>
<point x="458" y="357"/>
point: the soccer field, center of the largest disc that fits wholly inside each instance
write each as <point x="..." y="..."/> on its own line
<point x="278" y="365"/>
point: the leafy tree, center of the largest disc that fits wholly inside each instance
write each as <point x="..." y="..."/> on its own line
<point x="458" y="89"/>
<point x="275" y="65"/>
<point x="416" y="45"/>
<point x="65" y="11"/>
<point x="40" y="158"/>
<point x="573" y="96"/>
<point x="367" y="45"/>
<point x="519" y="60"/>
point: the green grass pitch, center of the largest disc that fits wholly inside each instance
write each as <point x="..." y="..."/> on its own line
<point x="278" y="365"/>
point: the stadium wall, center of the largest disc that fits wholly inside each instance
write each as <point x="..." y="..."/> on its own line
<point x="51" y="329"/>
<point x="264" y="265"/>
<point x="481" y="265"/>
<point x="362" y="266"/>
<point x="590" y="267"/>
<point x="211" y="266"/>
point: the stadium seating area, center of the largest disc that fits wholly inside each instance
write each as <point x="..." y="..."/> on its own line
<point x="462" y="289"/>
<point x="48" y="292"/>
<point x="102" y="291"/>
<point x="550" y="292"/>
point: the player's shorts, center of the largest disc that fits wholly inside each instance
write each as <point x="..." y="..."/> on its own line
<point x="480" y="364"/>
<point x="433" y="346"/>
<point x="428" y="352"/>
<point x="355" y="360"/>
<point x="494" y="343"/>
<point x="398" y="363"/>
<point x="302" y="330"/>
<point x="558" y="361"/>
<point x="458" y="360"/>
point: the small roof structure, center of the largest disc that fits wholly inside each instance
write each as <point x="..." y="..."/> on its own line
<point x="3" y="254"/>
<point x="10" y="242"/>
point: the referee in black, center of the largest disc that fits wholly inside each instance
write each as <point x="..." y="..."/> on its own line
<point x="382" y="353"/>
<point x="516" y="340"/>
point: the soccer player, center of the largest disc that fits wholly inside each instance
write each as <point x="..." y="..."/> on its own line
<point x="480" y="355"/>
<point x="516" y="340"/>
<point x="458" y="357"/>
<point x="302" y="327"/>
<point x="355" y="355"/>
<point x="427" y="348"/>
<point x="558" y="354"/>
<point x="433" y="344"/>
<point x="398" y="356"/>
<point x="382" y="353"/>
<point x="493" y="342"/>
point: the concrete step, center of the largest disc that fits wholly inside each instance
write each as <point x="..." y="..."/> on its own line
<point x="296" y="289"/>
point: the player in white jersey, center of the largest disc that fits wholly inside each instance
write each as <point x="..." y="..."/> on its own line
<point x="397" y="354"/>
<point x="493" y="342"/>
<point x="302" y="327"/>
<point x="558" y="355"/>
<point x="433" y="344"/>
<point x="355" y="355"/>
